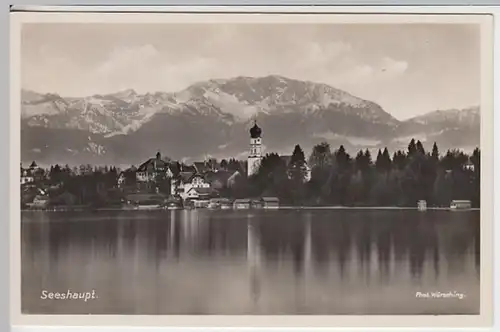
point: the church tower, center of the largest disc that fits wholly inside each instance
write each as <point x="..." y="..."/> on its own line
<point x="255" y="155"/>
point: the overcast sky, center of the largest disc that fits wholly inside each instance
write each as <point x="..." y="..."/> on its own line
<point x="407" y="69"/>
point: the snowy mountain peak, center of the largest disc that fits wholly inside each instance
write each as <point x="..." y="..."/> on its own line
<point x="237" y="99"/>
<point x="245" y="97"/>
<point x="466" y="116"/>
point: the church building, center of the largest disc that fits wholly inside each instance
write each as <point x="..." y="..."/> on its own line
<point x="255" y="155"/>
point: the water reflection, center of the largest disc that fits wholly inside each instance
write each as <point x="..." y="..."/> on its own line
<point x="237" y="262"/>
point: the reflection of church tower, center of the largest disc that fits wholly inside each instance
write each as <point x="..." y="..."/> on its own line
<point x="254" y="261"/>
<point x="255" y="155"/>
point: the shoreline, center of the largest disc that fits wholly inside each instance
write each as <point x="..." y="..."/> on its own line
<point x="393" y="208"/>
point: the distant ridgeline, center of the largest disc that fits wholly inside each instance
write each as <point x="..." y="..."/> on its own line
<point x="326" y="178"/>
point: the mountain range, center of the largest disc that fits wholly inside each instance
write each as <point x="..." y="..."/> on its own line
<point x="212" y="118"/>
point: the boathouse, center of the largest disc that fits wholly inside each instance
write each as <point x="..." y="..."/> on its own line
<point x="460" y="204"/>
<point x="422" y="205"/>
<point x="243" y="203"/>
<point x="270" y="202"/>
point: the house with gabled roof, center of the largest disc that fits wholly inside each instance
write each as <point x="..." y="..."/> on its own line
<point x="199" y="193"/>
<point x="152" y="168"/>
<point x="186" y="181"/>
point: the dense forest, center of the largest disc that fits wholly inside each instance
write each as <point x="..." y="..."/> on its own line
<point x="336" y="178"/>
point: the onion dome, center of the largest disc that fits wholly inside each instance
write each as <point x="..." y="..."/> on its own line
<point x="255" y="131"/>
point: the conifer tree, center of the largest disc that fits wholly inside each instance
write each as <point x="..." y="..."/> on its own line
<point x="412" y="148"/>
<point x="435" y="152"/>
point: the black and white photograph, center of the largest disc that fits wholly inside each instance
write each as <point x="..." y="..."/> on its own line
<point x="251" y="168"/>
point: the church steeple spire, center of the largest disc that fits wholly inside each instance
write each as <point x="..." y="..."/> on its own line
<point x="255" y="131"/>
<point x="255" y="155"/>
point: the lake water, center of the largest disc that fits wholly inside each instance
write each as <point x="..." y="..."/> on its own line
<point x="251" y="262"/>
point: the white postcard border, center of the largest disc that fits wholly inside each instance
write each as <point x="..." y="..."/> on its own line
<point x="484" y="319"/>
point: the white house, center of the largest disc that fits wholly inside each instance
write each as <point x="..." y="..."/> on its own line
<point x="186" y="182"/>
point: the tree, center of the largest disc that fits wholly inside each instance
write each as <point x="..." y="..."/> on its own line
<point x="412" y="147"/>
<point x="378" y="161"/>
<point x="383" y="162"/>
<point x="359" y="161"/>
<point x="297" y="174"/>
<point x="399" y="160"/>
<point x="234" y="165"/>
<point x="296" y="168"/>
<point x="339" y="178"/>
<point x="356" y="189"/>
<point x="56" y="173"/>
<point x="298" y="155"/>
<point x="420" y="148"/>
<point x="212" y="163"/>
<point x="368" y="158"/>
<point x="363" y="161"/>
<point x="453" y="160"/>
<point x="475" y="159"/>
<point x="342" y="158"/>
<point x="223" y="164"/>
<point x="380" y="193"/>
<point x="435" y="152"/>
<point x="386" y="159"/>
<point x="320" y="156"/>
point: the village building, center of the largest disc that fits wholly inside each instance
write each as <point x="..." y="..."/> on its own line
<point x="220" y="203"/>
<point x="242" y="203"/>
<point x="469" y="166"/>
<point x="127" y="178"/>
<point x="31" y="174"/>
<point x="199" y="194"/>
<point x="460" y="204"/>
<point x="270" y="202"/>
<point x="152" y="169"/>
<point x="190" y="186"/>
<point x="256" y="203"/>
